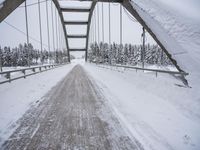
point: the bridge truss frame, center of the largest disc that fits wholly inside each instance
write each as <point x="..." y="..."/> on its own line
<point x="10" y="5"/>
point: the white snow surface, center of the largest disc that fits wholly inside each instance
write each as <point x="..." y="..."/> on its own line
<point x="177" y="25"/>
<point x="18" y="96"/>
<point x="159" y="114"/>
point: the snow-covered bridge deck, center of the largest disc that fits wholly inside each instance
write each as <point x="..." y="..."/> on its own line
<point x="105" y="102"/>
<point x="73" y="115"/>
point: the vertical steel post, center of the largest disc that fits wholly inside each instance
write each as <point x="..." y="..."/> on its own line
<point x="98" y="23"/>
<point x="47" y="12"/>
<point x="52" y="21"/>
<point x="120" y="24"/>
<point x="27" y="34"/>
<point x="1" y="60"/>
<point x="95" y="26"/>
<point x="59" y="44"/>
<point x="96" y="32"/>
<point x="143" y="46"/>
<point x="102" y="13"/>
<point x="40" y="27"/>
<point x="109" y="24"/>
<point x="56" y="24"/>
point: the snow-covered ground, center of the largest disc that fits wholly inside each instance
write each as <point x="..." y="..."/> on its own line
<point x="16" y="97"/>
<point x="158" y="113"/>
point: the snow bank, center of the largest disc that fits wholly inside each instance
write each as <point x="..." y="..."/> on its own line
<point x="161" y="115"/>
<point x="16" y="97"/>
<point x="177" y="26"/>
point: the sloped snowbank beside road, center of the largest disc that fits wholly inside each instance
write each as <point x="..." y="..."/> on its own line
<point x="159" y="114"/>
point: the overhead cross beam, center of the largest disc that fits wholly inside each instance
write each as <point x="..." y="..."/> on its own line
<point x="75" y="10"/>
<point x="112" y="1"/>
<point x="75" y="22"/>
<point x="77" y="36"/>
<point x="77" y="49"/>
<point x="90" y="10"/>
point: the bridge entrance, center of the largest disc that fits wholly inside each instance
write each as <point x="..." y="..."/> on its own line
<point x="76" y="25"/>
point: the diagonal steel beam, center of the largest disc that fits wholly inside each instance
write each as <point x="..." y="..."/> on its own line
<point x="8" y="7"/>
<point x="134" y="13"/>
<point x="63" y="25"/>
<point x="88" y="26"/>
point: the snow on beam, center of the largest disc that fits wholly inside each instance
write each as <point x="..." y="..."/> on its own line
<point x="8" y="7"/>
<point x="127" y="4"/>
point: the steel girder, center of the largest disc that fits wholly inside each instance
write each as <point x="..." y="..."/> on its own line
<point x="88" y="23"/>
<point x="134" y="13"/>
<point x="88" y="27"/>
<point x="63" y="25"/>
<point x="8" y="7"/>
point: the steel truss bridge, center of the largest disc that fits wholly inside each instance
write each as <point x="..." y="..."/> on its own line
<point x="10" y="5"/>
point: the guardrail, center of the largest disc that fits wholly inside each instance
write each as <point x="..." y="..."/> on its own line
<point x="181" y="75"/>
<point x="147" y="69"/>
<point x="34" y="70"/>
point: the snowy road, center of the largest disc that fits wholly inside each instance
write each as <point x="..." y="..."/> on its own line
<point x="73" y="115"/>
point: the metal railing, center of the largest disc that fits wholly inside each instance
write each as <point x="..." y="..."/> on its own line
<point x="148" y="69"/>
<point x="154" y="70"/>
<point x="181" y="75"/>
<point x="25" y="72"/>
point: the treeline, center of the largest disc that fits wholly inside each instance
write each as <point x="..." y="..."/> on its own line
<point x="25" y="55"/>
<point x="127" y="54"/>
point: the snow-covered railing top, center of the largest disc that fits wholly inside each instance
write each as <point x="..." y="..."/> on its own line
<point x="155" y="70"/>
<point x="181" y="74"/>
<point x="23" y="72"/>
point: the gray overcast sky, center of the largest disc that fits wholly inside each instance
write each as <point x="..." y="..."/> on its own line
<point x="10" y="37"/>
